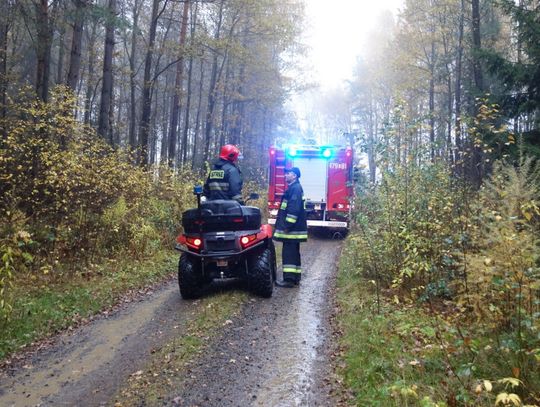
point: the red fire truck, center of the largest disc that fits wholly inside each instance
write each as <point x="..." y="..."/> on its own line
<point x="327" y="174"/>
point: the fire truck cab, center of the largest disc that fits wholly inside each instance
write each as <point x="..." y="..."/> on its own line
<point x="326" y="178"/>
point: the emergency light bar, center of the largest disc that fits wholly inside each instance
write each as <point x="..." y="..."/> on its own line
<point x="293" y="151"/>
<point x="326" y="152"/>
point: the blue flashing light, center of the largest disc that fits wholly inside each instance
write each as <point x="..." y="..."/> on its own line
<point x="327" y="152"/>
<point x="198" y="189"/>
<point x="293" y="151"/>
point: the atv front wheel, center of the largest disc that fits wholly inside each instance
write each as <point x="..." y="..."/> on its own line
<point x="189" y="277"/>
<point x="260" y="275"/>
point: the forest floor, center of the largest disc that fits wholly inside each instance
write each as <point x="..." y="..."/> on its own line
<point x="228" y="348"/>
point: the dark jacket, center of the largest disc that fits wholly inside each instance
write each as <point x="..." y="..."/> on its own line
<point x="291" y="222"/>
<point x="224" y="181"/>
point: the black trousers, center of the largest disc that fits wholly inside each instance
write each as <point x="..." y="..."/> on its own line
<point x="292" y="265"/>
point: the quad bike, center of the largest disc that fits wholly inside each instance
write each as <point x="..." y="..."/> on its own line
<point x="223" y="239"/>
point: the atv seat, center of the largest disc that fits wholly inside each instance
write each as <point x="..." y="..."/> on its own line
<point x="221" y="215"/>
<point x="222" y="207"/>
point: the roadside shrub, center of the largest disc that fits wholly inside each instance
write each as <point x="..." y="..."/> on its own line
<point x="82" y="200"/>
<point x="502" y="287"/>
<point x="15" y="246"/>
<point x="408" y="230"/>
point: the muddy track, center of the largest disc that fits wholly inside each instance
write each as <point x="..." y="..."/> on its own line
<point x="275" y="353"/>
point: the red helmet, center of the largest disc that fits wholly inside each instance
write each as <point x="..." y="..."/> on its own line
<point x="229" y="152"/>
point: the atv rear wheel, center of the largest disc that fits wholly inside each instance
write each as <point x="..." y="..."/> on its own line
<point x="189" y="277"/>
<point x="260" y="275"/>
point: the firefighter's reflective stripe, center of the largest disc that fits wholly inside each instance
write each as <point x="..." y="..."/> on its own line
<point x="291" y="268"/>
<point x="290" y="235"/>
<point x="284" y="204"/>
<point x="218" y="186"/>
<point x="291" y="218"/>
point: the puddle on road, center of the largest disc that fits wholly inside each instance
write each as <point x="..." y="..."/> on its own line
<point x="291" y="382"/>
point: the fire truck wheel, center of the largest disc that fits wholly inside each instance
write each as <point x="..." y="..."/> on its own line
<point x="189" y="277"/>
<point x="261" y="281"/>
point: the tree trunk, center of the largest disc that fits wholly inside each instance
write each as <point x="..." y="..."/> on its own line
<point x="477" y="45"/>
<point x="144" y="125"/>
<point x="163" y="156"/>
<point x="107" y="85"/>
<point x="432" y="103"/>
<point x="5" y="12"/>
<point x="43" y="49"/>
<point x="371" y="141"/>
<point x="198" y="118"/>
<point x="175" y="109"/>
<point x="212" y="90"/>
<point x="132" y="135"/>
<point x="184" y="145"/>
<point x="90" y="90"/>
<point x="448" y="152"/>
<point x="61" y="55"/>
<point x="76" y="45"/>
<point x="477" y="167"/>
<point x="458" y="159"/>
<point x="110" y="121"/>
<point x="225" y="100"/>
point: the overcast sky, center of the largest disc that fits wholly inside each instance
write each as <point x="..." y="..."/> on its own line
<point x="337" y="32"/>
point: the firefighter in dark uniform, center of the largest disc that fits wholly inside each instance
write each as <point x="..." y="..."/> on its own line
<point x="225" y="178"/>
<point x="291" y="228"/>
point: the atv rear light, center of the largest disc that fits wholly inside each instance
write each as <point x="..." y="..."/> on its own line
<point x="194" y="242"/>
<point x="248" y="240"/>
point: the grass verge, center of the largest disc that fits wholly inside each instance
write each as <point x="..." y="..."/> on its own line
<point x="400" y="354"/>
<point x="164" y="374"/>
<point x="43" y="307"/>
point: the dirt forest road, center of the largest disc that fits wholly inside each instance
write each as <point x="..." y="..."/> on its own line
<point x="274" y="353"/>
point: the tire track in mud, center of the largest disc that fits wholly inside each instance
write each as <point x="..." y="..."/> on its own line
<point x="277" y="352"/>
<point x="85" y="367"/>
